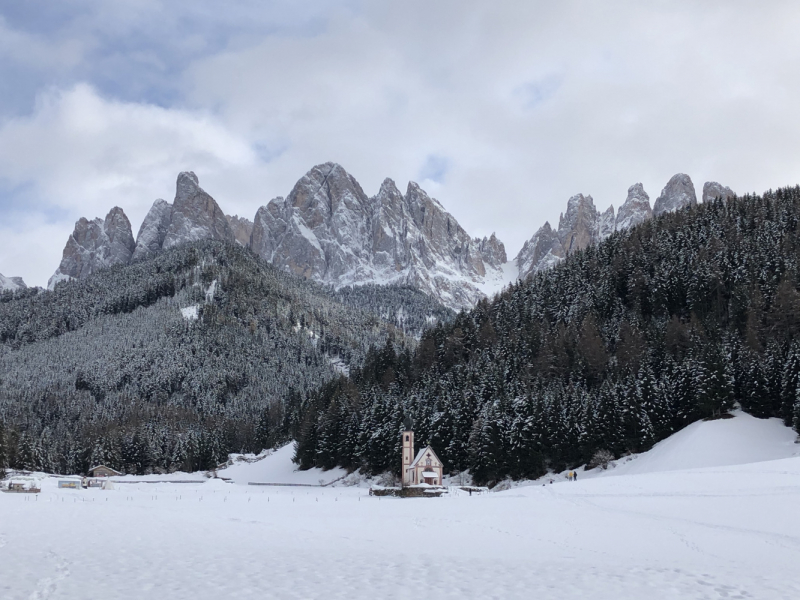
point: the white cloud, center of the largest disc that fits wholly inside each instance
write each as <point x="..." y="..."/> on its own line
<point x="79" y="155"/>
<point x="524" y="104"/>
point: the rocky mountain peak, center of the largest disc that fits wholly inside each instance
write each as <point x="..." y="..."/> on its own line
<point x="713" y="190"/>
<point x="577" y="228"/>
<point x="195" y="215"/>
<point x="95" y="245"/>
<point x="153" y="231"/>
<point x="636" y="208"/>
<point x="11" y="284"/>
<point x="606" y="223"/>
<point x="542" y="251"/>
<point x="678" y="193"/>
<point x="493" y="251"/>
<point x="327" y="229"/>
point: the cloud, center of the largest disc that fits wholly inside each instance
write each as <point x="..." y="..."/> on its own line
<point x="80" y="154"/>
<point x="506" y="109"/>
<point x="434" y="169"/>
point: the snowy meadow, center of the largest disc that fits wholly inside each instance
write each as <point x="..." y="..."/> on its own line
<point x="645" y="529"/>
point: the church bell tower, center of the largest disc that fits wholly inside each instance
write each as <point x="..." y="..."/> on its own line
<point x="408" y="451"/>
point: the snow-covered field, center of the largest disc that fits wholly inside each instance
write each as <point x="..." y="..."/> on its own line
<point x="634" y="532"/>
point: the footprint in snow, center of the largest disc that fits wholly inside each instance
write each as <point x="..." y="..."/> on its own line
<point x="47" y="586"/>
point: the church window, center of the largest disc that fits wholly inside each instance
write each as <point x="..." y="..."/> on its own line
<point x="427" y="462"/>
<point x="406" y="438"/>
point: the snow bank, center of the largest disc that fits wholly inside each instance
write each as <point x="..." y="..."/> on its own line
<point x="277" y="467"/>
<point x="723" y="442"/>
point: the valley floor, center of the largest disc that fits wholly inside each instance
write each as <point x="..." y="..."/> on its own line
<point x="714" y="532"/>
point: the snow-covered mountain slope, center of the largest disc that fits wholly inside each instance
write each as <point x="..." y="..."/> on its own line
<point x="327" y="229"/>
<point x="95" y="245"/>
<point x="11" y="284"/>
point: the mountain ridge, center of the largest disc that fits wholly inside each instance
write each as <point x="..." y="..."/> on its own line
<point x="328" y="229"/>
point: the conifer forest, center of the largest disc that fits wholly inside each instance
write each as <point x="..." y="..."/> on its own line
<point x="173" y="362"/>
<point x="622" y="344"/>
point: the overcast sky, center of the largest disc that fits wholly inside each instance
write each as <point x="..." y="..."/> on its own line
<point x="501" y="110"/>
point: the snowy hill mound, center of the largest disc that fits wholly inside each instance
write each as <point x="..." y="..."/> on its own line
<point x="277" y="467"/>
<point x="740" y="440"/>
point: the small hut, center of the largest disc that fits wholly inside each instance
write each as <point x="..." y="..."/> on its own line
<point x="103" y="471"/>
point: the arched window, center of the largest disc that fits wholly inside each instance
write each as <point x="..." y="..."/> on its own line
<point x="406" y="438"/>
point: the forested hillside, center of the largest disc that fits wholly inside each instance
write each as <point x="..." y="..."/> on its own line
<point x="672" y="321"/>
<point x="175" y="361"/>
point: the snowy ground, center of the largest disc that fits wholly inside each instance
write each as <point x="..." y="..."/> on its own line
<point x="665" y="531"/>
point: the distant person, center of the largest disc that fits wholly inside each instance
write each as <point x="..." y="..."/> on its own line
<point x="574" y="476"/>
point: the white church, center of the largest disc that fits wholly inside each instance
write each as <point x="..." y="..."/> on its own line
<point x="425" y="466"/>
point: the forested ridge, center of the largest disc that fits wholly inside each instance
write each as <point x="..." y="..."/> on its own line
<point x="622" y="344"/>
<point x="173" y="362"/>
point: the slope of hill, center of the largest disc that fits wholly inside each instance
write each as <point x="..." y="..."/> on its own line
<point x="615" y="348"/>
<point x="175" y="361"/>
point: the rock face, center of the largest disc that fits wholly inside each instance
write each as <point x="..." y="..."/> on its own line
<point x="329" y="230"/>
<point x="153" y="231"/>
<point x="713" y="190"/>
<point x="542" y="251"/>
<point x="11" y="284"/>
<point x="577" y="228"/>
<point x="636" y="208"/>
<point x="95" y="245"/>
<point x="606" y="224"/>
<point x="242" y="229"/>
<point x="678" y="193"/>
<point x="105" y="242"/>
<point x="581" y="226"/>
<point x="195" y="215"/>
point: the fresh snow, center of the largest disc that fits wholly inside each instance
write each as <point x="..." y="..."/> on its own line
<point x="11" y="283"/>
<point x="720" y="443"/>
<point x="277" y="467"/>
<point x="191" y="313"/>
<point x="673" y="530"/>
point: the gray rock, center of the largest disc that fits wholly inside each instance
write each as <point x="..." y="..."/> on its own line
<point x="195" y="215"/>
<point x="578" y="227"/>
<point x="678" y="193"/>
<point x="327" y="229"/>
<point x="636" y="208"/>
<point x="713" y="190"/>
<point x="542" y="251"/>
<point x="606" y="224"/>
<point x="95" y="245"/>
<point x="242" y="229"/>
<point x="153" y="231"/>
<point x="493" y="252"/>
<point x="11" y="284"/>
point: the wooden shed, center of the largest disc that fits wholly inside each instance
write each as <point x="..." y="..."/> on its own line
<point x="103" y="471"/>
